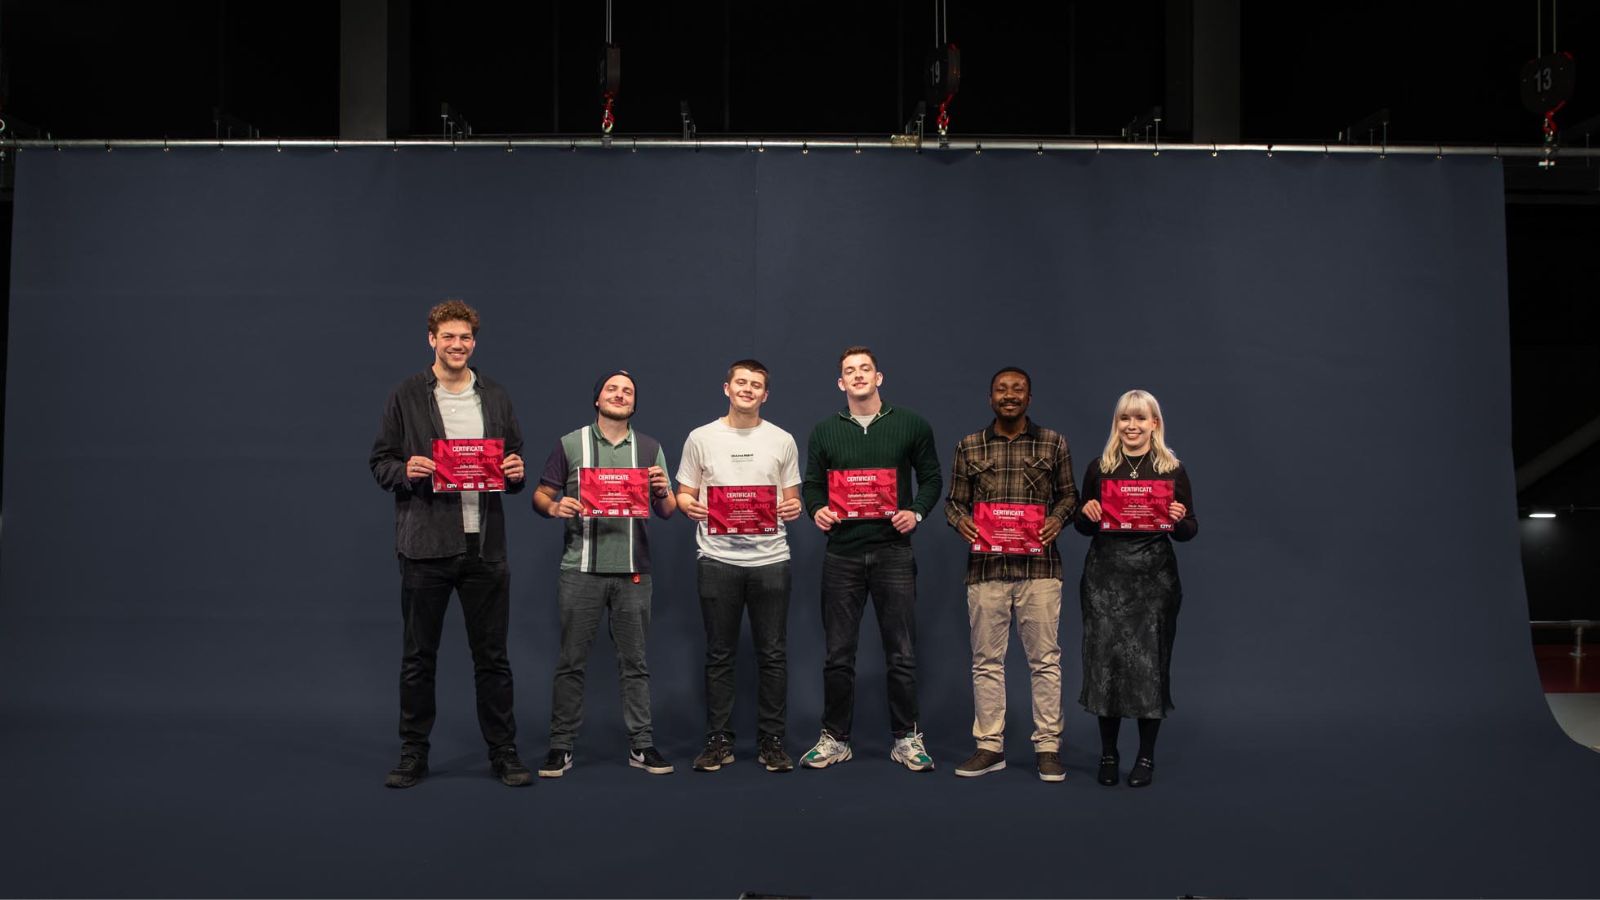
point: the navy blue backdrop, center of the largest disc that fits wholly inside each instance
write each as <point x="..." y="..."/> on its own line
<point x="199" y="630"/>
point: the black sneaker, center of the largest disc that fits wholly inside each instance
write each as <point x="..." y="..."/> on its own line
<point x="650" y="761"/>
<point x="508" y="767"/>
<point x="718" y="753"/>
<point x="411" y="770"/>
<point x="555" y="763"/>
<point x="770" y="753"/>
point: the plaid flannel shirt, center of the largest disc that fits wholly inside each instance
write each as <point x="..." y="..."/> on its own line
<point x="1034" y="467"/>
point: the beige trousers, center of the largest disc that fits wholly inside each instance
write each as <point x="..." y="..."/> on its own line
<point x="1036" y="606"/>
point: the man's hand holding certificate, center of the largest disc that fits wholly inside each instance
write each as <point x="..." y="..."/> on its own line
<point x="1008" y="528"/>
<point x="751" y="509"/>
<point x="608" y="493"/>
<point x="862" y="493"/>
<point x="1136" y="504"/>
<point x="469" y="464"/>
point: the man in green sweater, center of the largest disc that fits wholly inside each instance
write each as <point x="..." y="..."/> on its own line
<point x="858" y="489"/>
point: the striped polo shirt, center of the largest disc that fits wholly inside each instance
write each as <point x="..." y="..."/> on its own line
<point x="606" y="546"/>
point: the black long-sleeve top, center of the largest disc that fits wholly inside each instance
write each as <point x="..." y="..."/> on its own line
<point x="1089" y="489"/>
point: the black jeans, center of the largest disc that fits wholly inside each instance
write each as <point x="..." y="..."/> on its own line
<point x="725" y="592"/>
<point x="484" y="587"/>
<point x="889" y="574"/>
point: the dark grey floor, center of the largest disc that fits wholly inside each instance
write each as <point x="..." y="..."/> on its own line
<point x="183" y="778"/>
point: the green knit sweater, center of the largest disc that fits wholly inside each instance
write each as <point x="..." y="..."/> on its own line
<point x="896" y="439"/>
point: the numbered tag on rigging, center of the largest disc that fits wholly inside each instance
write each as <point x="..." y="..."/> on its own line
<point x="1547" y="82"/>
<point x="944" y="73"/>
<point x="610" y="71"/>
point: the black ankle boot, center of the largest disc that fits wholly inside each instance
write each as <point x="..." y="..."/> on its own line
<point x="1108" y="770"/>
<point x="1143" y="771"/>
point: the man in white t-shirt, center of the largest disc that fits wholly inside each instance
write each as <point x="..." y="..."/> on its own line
<point x="740" y="480"/>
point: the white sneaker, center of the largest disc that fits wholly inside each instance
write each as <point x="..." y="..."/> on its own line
<point x="827" y="752"/>
<point x="909" y="752"/>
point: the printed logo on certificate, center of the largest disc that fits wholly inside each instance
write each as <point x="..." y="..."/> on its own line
<point x="862" y="493"/>
<point x="742" y="510"/>
<point x="1008" y="528"/>
<point x="1135" y="504"/>
<point x="607" y="493"/>
<point x="469" y="464"/>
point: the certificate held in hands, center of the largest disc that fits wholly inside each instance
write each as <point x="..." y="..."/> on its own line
<point x="1008" y="528"/>
<point x="605" y="493"/>
<point x="1135" y="504"/>
<point x="742" y="510"/>
<point x="863" y="493"/>
<point x="469" y="464"/>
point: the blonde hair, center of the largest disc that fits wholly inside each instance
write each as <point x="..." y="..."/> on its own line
<point x="1165" y="460"/>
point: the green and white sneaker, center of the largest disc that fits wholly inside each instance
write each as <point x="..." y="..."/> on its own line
<point x="909" y="752"/>
<point x="827" y="752"/>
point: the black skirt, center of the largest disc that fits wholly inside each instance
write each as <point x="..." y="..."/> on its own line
<point x="1130" y="594"/>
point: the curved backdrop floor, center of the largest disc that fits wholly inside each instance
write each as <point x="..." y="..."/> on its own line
<point x="198" y="595"/>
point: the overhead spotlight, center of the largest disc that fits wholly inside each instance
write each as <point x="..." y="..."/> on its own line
<point x="610" y="85"/>
<point x="610" y="81"/>
<point x="1541" y="515"/>
<point x="943" y="71"/>
<point x="1145" y="127"/>
<point x="1374" y="129"/>
<point x="944" y="81"/>
<point x="687" y="119"/>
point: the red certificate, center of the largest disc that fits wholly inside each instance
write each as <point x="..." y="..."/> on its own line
<point x="742" y="510"/>
<point x="1008" y="528"/>
<point x="862" y="493"/>
<point x="1135" y="504"/>
<point x="469" y="464"/>
<point x="614" y="492"/>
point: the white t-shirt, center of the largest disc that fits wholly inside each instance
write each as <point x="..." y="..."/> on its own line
<point x="718" y="455"/>
<point x="463" y="418"/>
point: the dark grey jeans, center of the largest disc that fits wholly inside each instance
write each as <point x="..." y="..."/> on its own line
<point x="889" y="574"/>
<point x="726" y="591"/>
<point x="584" y="598"/>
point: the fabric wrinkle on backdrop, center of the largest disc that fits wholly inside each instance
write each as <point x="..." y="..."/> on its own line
<point x="199" y="636"/>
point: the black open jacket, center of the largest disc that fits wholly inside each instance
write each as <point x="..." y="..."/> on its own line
<point x="428" y="525"/>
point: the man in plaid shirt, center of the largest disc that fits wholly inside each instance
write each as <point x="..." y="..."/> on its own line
<point x="1018" y="470"/>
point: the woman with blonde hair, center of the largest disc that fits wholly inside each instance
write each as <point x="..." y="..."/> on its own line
<point x="1137" y="501"/>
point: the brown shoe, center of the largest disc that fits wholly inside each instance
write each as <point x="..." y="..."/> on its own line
<point x="1050" y="767"/>
<point x="981" y="763"/>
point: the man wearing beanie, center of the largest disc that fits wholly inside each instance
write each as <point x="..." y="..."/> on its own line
<point x="605" y="571"/>
<point x="869" y="552"/>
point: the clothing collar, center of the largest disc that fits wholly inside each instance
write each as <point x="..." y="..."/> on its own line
<point x="433" y="379"/>
<point x="883" y="410"/>
<point x="594" y="430"/>
<point x="1030" y="430"/>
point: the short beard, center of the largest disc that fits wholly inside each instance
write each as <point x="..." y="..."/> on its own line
<point x="615" y="417"/>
